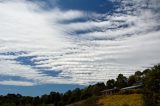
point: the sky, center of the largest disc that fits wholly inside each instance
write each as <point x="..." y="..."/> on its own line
<point x="57" y="45"/>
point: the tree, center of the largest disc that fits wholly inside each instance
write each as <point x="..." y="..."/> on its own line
<point x="138" y="75"/>
<point x="131" y="80"/>
<point x="44" y="99"/>
<point x="121" y="81"/>
<point x="95" y="90"/>
<point x="111" y="84"/>
<point x="145" y="72"/>
<point x="152" y="87"/>
<point x="36" y="101"/>
<point x="75" y="95"/>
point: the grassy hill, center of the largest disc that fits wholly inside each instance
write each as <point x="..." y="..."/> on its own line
<point x="113" y="100"/>
<point x="122" y="100"/>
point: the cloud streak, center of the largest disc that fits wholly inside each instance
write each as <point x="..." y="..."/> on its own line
<point x="34" y="42"/>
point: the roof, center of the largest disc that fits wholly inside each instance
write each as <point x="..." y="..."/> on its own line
<point x="131" y="87"/>
<point x="109" y="90"/>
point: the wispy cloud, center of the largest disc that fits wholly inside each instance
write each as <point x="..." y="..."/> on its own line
<point x="16" y="83"/>
<point x="34" y="42"/>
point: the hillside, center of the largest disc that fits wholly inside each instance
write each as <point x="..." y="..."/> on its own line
<point x="122" y="100"/>
<point x="113" y="100"/>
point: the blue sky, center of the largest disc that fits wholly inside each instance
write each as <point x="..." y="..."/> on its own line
<point x="57" y="45"/>
<point x="37" y="90"/>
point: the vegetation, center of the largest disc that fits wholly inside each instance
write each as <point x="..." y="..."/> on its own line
<point x="152" y="86"/>
<point x="122" y="100"/>
<point x="92" y="101"/>
<point x="151" y="92"/>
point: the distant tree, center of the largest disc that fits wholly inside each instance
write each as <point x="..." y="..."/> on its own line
<point x="111" y="84"/>
<point x="54" y="97"/>
<point x="75" y="95"/>
<point x="67" y="96"/>
<point x="26" y="100"/>
<point x="144" y="73"/>
<point x="131" y="80"/>
<point x="138" y="75"/>
<point x="121" y="81"/>
<point x="97" y="88"/>
<point x="44" y="99"/>
<point x="36" y="101"/>
<point x="86" y="92"/>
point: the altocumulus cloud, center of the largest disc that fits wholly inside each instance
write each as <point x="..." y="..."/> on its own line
<point x="44" y="47"/>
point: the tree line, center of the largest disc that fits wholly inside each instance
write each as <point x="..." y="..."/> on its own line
<point x="150" y="78"/>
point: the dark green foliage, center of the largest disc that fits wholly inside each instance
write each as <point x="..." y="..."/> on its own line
<point x="131" y="80"/>
<point x="138" y="76"/>
<point x="97" y="88"/>
<point x="121" y="81"/>
<point x="111" y="84"/>
<point x="152" y="87"/>
<point x="54" y="98"/>
<point x="146" y="71"/>
<point x="138" y="73"/>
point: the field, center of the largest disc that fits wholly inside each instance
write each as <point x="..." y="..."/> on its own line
<point x="113" y="100"/>
<point x="121" y="100"/>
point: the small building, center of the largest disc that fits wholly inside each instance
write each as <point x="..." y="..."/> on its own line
<point x="110" y="91"/>
<point x="116" y="90"/>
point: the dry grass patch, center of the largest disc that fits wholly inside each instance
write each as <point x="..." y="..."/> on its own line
<point x="122" y="100"/>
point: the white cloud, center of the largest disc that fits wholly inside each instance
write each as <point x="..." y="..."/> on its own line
<point x="59" y="15"/>
<point x="80" y="59"/>
<point x="16" y="83"/>
<point x="24" y="27"/>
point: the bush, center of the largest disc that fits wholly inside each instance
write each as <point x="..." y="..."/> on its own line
<point x="152" y="87"/>
<point x="91" y="101"/>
